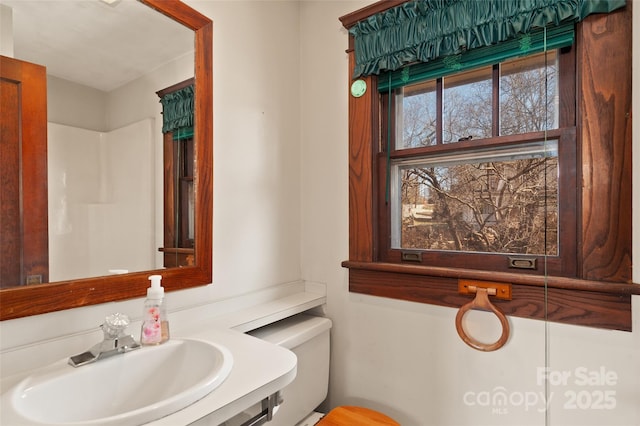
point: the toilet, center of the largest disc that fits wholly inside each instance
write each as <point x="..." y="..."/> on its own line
<point x="308" y="337"/>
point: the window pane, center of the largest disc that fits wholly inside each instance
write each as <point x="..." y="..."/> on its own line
<point x="529" y="94"/>
<point x="192" y="211"/>
<point x="466" y="105"/>
<point x="416" y="111"/>
<point x="498" y="201"/>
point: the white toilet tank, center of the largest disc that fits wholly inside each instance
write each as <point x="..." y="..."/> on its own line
<point x="308" y="337"/>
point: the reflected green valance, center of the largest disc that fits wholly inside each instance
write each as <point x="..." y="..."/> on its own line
<point x="424" y="30"/>
<point x="183" y="133"/>
<point x="177" y="109"/>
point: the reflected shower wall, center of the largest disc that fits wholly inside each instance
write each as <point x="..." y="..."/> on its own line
<point x="101" y="200"/>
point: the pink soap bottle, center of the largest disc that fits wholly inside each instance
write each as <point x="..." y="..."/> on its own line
<point x="155" y="327"/>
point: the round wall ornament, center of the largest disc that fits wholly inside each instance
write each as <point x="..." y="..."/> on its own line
<point x="358" y="88"/>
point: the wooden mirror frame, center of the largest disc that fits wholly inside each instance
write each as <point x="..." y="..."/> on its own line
<point x="24" y="301"/>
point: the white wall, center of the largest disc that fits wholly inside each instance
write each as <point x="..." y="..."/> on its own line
<point x="101" y="201"/>
<point x="404" y="358"/>
<point x="281" y="214"/>
<point x="256" y="144"/>
<point x="73" y="160"/>
<point x="75" y="105"/>
<point x="6" y="31"/>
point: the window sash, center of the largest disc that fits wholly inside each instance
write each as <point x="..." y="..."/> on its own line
<point x="528" y="150"/>
<point x="562" y="139"/>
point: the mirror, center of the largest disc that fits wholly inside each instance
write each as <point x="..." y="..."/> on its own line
<point x="104" y="143"/>
<point x="35" y="299"/>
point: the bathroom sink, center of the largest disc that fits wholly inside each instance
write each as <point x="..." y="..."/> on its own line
<point x="128" y="389"/>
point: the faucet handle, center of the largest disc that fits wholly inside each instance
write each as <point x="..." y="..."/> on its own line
<point x="115" y="324"/>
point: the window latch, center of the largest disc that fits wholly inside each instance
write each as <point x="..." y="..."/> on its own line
<point x="523" y="262"/>
<point x="411" y="256"/>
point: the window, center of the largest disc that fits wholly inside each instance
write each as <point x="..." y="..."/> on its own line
<point x="486" y="201"/>
<point x="182" y="163"/>
<point x="178" y="158"/>
<point x="473" y="168"/>
<point x="540" y="201"/>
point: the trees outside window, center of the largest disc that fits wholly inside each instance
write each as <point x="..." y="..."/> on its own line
<point x="456" y="185"/>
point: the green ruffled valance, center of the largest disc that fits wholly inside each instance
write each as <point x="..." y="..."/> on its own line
<point x="424" y="30"/>
<point x="177" y="109"/>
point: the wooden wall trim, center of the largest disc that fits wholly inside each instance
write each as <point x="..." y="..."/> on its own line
<point x="604" y="123"/>
<point x="361" y="137"/>
<point x="593" y="309"/>
<point x="349" y="20"/>
<point x="24" y="121"/>
<point x="203" y="154"/>
<point x="600" y="294"/>
<point x="565" y="283"/>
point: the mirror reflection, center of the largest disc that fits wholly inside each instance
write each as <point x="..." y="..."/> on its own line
<point x="106" y="61"/>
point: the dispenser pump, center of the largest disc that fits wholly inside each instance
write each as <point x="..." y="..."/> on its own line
<point x="156" y="291"/>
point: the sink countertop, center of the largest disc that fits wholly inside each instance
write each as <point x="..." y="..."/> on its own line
<point x="259" y="368"/>
<point x="257" y="365"/>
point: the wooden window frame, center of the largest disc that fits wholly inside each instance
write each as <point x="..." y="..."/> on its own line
<point x="562" y="265"/>
<point x="178" y="251"/>
<point x="599" y="293"/>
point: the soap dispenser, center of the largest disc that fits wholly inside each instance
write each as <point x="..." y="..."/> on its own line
<point x="155" y="326"/>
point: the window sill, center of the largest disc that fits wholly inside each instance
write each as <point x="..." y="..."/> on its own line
<point x="570" y="301"/>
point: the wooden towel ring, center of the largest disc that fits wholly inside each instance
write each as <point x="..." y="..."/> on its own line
<point x="482" y="302"/>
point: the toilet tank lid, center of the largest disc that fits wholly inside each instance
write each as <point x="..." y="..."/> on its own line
<point x="293" y="331"/>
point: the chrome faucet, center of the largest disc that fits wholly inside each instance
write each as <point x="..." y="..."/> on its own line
<point x="115" y="342"/>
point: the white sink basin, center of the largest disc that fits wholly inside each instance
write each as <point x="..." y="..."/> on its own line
<point x="128" y="389"/>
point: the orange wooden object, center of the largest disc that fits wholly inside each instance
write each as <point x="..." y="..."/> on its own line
<point x="24" y="235"/>
<point x="355" y="416"/>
